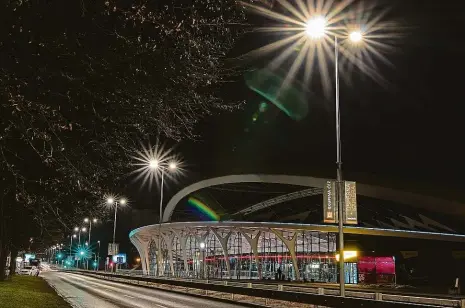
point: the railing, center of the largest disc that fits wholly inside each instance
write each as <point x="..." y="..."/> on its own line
<point x="299" y="294"/>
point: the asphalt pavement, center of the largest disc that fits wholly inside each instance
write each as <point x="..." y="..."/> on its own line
<point x="89" y="292"/>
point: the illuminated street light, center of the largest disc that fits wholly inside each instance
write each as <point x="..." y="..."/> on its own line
<point x="76" y="229"/>
<point x="202" y="245"/>
<point x="172" y="166"/>
<point x="356" y="36"/>
<point x="115" y="203"/>
<point x="86" y="220"/>
<point x="153" y="164"/>
<point x="316" y="27"/>
<point x="74" y="235"/>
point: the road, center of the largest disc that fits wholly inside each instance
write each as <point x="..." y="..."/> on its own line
<point x="88" y="292"/>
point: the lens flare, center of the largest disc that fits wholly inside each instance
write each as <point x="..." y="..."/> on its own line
<point x="311" y="27"/>
<point x="203" y="209"/>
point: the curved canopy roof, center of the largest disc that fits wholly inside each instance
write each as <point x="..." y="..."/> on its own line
<point x="298" y="199"/>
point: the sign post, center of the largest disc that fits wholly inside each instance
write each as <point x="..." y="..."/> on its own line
<point x="113" y="249"/>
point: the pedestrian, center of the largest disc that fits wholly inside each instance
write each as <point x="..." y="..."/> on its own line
<point x="279" y="273"/>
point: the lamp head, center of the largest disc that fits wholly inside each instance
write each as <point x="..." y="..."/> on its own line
<point x="316" y="27"/>
<point x="153" y="164"/>
<point x="110" y="200"/>
<point x="123" y="201"/>
<point x="356" y="36"/>
<point x="172" y="166"/>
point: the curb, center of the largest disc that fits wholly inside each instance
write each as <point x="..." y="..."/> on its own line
<point x="223" y="300"/>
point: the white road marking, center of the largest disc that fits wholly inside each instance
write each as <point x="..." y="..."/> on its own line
<point x="128" y="296"/>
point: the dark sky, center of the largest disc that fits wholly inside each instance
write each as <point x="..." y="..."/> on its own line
<point x="409" y="134"/>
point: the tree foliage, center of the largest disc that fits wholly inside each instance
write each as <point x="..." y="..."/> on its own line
<point x="81" y="81"/>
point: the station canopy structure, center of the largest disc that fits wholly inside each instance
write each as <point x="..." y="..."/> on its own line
<point x="256" y="226"/>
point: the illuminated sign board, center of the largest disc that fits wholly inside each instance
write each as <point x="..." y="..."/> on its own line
<point x="329" y="202"/>
<point x="28" y="257"/>
<point x="119" y="258"/>
<point x="350" y="201"/>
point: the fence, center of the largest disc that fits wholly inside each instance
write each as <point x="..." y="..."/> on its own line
<point x="299" y="294"/>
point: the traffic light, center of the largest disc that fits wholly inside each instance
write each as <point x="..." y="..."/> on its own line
<point x="59" y="256"/>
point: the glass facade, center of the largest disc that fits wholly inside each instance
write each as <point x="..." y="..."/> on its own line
<point x="243" y="253"/>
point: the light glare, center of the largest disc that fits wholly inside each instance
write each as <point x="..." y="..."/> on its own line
<point x="86" y="219"/>
<point x="94" y="220"/>
<point x="316" y="27"/>
<point x="76" y="229"/>
<point x="122" y="201"/>
<point x="172" y="166"/>
<point x="355" y="36"/>
<point x="110" y="200"/>
<point x="153" y="164"/>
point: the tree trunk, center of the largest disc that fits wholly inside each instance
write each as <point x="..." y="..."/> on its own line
<point x="3" y="254"/>
<point x="3" y="243"/>
<point x="14" y="255"/>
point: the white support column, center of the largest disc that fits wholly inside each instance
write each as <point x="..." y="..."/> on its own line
<point x="159" y="255"/>
<point x="182" y="242"/>
<point x="142" y="248"/>
<point x="253" y="242"/>
<point x="290" y="244"/>
<point x="168" y="238"/>
<point x="224" y="245"/>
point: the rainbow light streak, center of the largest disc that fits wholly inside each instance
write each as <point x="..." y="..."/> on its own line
<point x="203" y="208"/>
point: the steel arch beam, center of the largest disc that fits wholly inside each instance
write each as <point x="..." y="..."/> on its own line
<point x="387" y="194"/>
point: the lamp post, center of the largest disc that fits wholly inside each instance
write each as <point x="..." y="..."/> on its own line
<point x="71" y="244"/>
<point x="90" y="221"/>
<point x="84" y="229"/>
<point x="154" y="165"/>
<point x="202" y="251"/>
<point x="115" y="203"/>
<point x="316" y="29"/>
<point x="98" y="254"/>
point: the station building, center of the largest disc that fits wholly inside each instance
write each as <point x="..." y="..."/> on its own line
<point x="270" y="227"/>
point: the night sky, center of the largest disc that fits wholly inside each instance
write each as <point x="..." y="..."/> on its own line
<point x="408" y="134"/>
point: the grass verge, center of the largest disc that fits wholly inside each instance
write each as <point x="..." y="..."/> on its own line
<point x="29" y="292"/>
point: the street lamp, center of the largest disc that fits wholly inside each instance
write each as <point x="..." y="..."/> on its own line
<point x="115" y="203"/>
<point x="98" y="252"/>
<point x="316" y="29"/>
<point x="154" y="165"/>
<point x="90" y="221"/>
<point x="71" y="244"/>
<point x="202" y="251"/>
